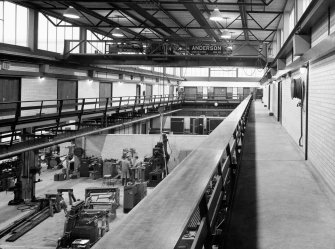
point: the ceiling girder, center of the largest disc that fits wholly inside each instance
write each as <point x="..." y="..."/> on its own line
<point x="167" y="2"/>
<point x="59" y="16"/>
<point x="244" y="19"/>
<point x="128" y="13"/>
<point x="166" y="60"/>
<point x="196" y="13"/>
<point x="152" y="19"/>
<point x="104" y="19"/>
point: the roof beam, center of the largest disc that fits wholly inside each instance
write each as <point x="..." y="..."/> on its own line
<point x="244" y="19"/>
<point x="128" y="13"/>
<point x="104" y="19"/>
<point x="214" y="3"/>
<point x="196" y="13"/>
<point x="173" y="18"/>
<point x="152" y="19"/>
<point x="75" y="23"/>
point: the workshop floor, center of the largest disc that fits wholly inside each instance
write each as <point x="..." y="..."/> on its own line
<point x="46" y="234"/>
<point x="280" y="201"/>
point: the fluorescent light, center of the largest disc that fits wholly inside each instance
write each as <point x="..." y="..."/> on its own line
<point x="216" y="15"/>
<point x="71" y="13"/>
<point x="303" y="70"/>
<point x="226" y="34"/>
<point x="117" y="33"/>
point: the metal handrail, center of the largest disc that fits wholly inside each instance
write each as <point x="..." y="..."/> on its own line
<point x="163" y="217"/>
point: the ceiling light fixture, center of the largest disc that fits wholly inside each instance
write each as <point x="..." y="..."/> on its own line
<point x="117" y="33"/>
<point x="225" y="33"/>
<point x="216" y="15"/>
<point x="71" y="12"/>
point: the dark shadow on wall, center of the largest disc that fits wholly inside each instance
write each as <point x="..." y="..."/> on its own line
<point x="242" y="229"/>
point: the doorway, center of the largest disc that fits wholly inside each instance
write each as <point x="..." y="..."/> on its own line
<point x="9" y="92"/>
<point x="67" y="90"/>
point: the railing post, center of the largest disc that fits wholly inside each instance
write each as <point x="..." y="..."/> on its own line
<point x="13" y="126"/>
<point x="204" y="214"/>
<point x="120" y="104"/>
<point x="59" y="114"/>
<point x="153" y="105"/>
<point x="81" y="113"/>
<point x="105" y="123"/>
<point x="41" y="107"/>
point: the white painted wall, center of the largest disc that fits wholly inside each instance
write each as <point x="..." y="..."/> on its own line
<point x="38" y="89"/>
<point x="124" y="89"/>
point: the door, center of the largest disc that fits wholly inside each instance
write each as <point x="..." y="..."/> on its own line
<point x="279" y="115"/>
<point x="269" y="97"/>
<point x="67" y="91"/>
<point x="212" y="124"/>
<point x="171" y="90"/>
<point x="220" y="93"/>
<point x="148" y="90"/>
<point x="138" y="93"/>
<point x="190" y="92"/>
<point x="9" y="92"/>
<point x="177" y="125"/>
<point x="240" y="93"/>
<point x="229" y="93"/>
<point x="105" y="91"/>
<point x="246" y="92"/>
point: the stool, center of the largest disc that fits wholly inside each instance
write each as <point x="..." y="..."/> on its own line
<point x="107" y="180"/>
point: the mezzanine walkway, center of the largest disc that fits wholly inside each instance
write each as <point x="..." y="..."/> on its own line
<point x="280" y="201"/>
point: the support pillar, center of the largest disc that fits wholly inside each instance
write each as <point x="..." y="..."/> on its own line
<point x="32" y="29"/>
<point x="82" y="37"/>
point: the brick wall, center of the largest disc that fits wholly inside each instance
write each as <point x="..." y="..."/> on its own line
<point x="321" y="142"/>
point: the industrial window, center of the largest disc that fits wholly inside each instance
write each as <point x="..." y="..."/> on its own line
<point x="291" y="20"/>
<point x="95" y="47"/>
<point x="223" y="72"/>
<point x="170" y="70"/>
<point x="158" y="69"/>
<point x="281" y="37"/>
<point x="250" y="72"/>
<point x="52" y="32"/>
<point x="178" y="71"/>
<point x="195" y="72"/>
<point x="305" y="4"/>
<point x="13" y="24"/>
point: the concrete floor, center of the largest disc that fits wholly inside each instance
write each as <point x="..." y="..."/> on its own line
<point x="279" y="203"/>
<point x="46" y="234"/>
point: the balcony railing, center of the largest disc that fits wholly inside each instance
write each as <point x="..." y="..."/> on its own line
<point x="191" y="205"/>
